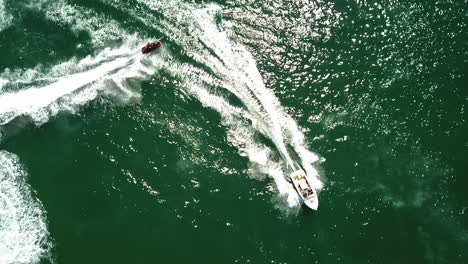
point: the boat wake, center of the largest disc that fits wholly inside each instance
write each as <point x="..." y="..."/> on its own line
<point x="207" y="41"/>
<point x="234" y="69"/>
<point x="42" y="92"/>
<point x="113" y="72"/>
<point x="24" y="237"/>
<point x="5" y="18"/>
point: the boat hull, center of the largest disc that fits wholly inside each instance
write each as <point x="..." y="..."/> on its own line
<point x="305" y="189"/>
<point x="150" y="47"/>
<point x="312" y="203"/>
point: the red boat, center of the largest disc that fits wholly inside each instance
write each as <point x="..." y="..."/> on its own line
<point x="151" y="47"/>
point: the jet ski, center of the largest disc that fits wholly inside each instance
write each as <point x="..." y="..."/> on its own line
<point x="151" y="47"/>
<point x="305" y="190"/>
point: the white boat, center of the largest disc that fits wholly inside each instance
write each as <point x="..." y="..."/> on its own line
<point x="305" y="190"/>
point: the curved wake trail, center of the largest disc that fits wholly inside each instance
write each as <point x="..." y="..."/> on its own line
<point x="40" y="93"/>
<point x="196" y="28"/>
<point x="24" y="237"/>
<point x="112" y="72"/>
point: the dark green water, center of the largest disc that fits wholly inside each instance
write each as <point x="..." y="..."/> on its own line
<point x="111" y="157"/>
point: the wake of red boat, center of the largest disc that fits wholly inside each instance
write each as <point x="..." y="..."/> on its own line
<point x="109" y="72"/>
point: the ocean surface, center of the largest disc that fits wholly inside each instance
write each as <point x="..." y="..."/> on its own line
<point x="182" y="156"/>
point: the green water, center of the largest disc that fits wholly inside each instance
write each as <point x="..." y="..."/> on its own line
<point x="147" y="168"/>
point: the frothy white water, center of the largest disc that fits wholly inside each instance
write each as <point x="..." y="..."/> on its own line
<point x="101" y="29"/>
<point x="23" y="227"/>
<point x="5" y="17"/>
<point x="41" y="93"/>
<point x="242" y="78"/>
<point x="236" y="71"/>
<point x="242" y="135"/>
<point x="112" y="72"/>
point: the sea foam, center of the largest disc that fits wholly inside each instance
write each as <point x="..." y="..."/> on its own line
<point x="236" y="71"/>
<point x="24" y="237"/>
<point x="115" y="72"/>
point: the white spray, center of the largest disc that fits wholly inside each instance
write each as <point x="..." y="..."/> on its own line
<point x="23" y="229"/>
<point x="236" y="71"/>
<point x="107" y="72"/>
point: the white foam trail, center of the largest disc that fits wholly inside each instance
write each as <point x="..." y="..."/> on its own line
<point x="5" y="17"/>
<point x="3" y="82"/>
<point x="102" y="30"/>
<point x="238" y="68"/>
<point x="203" y="40"/>
<point x="23" y="227"/>
<point x="242" y="136"/>
<point x="31" y="100"/>
<point x="109" y="72"/>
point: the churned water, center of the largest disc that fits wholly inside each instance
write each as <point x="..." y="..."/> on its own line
<point x="181" y="156"/>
